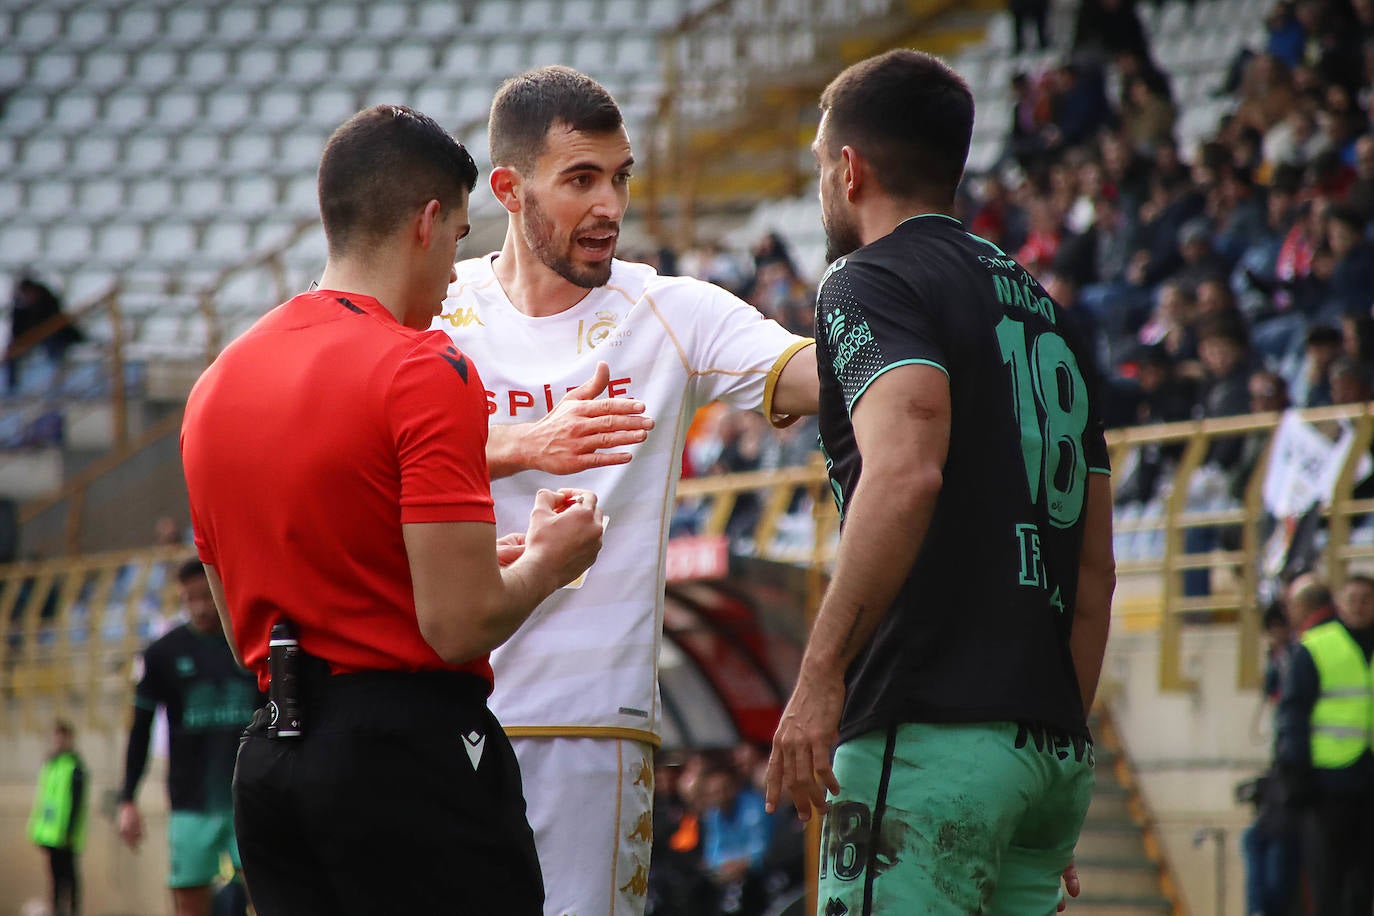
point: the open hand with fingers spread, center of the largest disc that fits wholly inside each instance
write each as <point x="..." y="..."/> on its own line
<point x="585" y="429"/>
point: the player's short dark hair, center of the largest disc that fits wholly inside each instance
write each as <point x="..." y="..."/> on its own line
<point x="64" y="727"/>
<point x="382" y="165"/>
<point x="191" y="569"/>
<point x="526" y="106"/>
<point x="1364" y="580"/>
<point x="910" y="116"/>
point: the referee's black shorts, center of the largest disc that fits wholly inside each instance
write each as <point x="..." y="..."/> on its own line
<point x="403" y="796"/>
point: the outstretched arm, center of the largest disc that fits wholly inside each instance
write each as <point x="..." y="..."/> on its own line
<point x="580" y="433"/>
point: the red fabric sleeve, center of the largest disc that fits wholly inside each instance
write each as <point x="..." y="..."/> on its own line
<point x="438" y="416"/>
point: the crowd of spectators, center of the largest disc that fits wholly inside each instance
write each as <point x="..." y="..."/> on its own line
<point x="715" y="849"/>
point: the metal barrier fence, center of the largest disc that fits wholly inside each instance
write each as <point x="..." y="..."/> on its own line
<point x="70" y="627"/>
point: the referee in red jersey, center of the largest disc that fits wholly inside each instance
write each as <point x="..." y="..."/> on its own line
<point x="334" y="456"/>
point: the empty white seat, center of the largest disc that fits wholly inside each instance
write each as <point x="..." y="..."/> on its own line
<point x="279" y="107"/>
<point x="171" y="241"/>
<point x="23" y="112"/>
<point x="127" y="107"/>
<point x="119" y="242"/>
<point x="39" y="27"/>
<point x="104" y="69"/>
<point x="549" y="50"/>
<point x="287" y="24"/>
<point x="493" y="18"/>
<point x="135" y="27"/>
<point x="227" y="108"/>
<point x="302" y="197"/>
<point x="581" y="14"/>
<point x="506" y="57"/>
<point x="435" y="100"/>
<point x="201" y="196"/>
<point x="67" y="243"/>
<point x="155" y="68"/>
<point x="177" y="108"/>
<point x="99" y="197"/>
<point x="270" y="233"/>
<point x="186" y="26"/>
<point x="621" y="14"/>
<point x="20" y="242"/>
<point x="660" y="14"/>
<point x="436" y="18"/>
<point x="388" y="20"/>
<point x="249" y="150"/>
<point x="236" y="22"/>
<point x="474" y="104"/>
<point x="197" y="152"/>
<point x="537" y="15"/>
<point x="410" y="59"/>
<point x="158" y="330"/>
<point x="206" y="67"/>
<point x="150" y="197"/>
<point x="249" y="194"/>
<point x="592" y="54"/>
<point x="636" y="53"/>
<point x="358" y="63"/>
<point x="50" y="197"/>
<point x="75" y="110"/>
<point x="340" y="22"/>
<point x="147" y="152"/>
<point x="461" y="59"/>
<point x="54" y="70"/>
<point x="14" y="67"/>
<point x="300" y="150"/>
<point x="329" y="106"/>
<point x="225" y="240"/>
<point x="257" y="65"/>
<point x="306" y="63"/>
<point x="94" y="155"/>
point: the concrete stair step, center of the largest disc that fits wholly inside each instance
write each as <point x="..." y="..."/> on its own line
<point x="1118" y="877"/>
<point x="1111" y="839"/>
<point x="1120" y="906"/>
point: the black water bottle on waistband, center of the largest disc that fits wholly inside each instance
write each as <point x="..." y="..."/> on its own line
<point x="283" y="692"/>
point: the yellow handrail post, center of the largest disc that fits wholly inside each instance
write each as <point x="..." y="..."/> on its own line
<point x="119" y="401"/>
<point x="1248" y="673"/>
<point x="1338" y="526"/>
<point x="1171" y="623"/>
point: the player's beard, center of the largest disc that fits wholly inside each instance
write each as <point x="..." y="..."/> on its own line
<point x="539" y="236"/>
<point x="841" y="234"/>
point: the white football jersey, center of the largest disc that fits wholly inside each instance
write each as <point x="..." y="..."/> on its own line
<point x="586" y="662"/>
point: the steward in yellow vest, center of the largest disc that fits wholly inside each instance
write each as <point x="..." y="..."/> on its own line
<point x="57" y="823"/>
<point x="1324" y="748"/>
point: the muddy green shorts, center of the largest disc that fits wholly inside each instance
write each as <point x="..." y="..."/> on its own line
<point x="951" y="820"/>
<point x="197" y="839"/>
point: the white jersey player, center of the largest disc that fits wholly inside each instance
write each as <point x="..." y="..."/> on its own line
<point x="576" y="687"/>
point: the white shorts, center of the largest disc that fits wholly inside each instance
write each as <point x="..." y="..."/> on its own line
<point x="590" y="802"/>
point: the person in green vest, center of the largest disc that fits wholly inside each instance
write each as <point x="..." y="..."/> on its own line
<point x="1324" y="748"/>
<point x="58" y="821"/>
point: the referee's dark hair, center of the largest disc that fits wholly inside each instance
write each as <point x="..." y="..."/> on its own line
<point x="910" y="116"/>
<point x="526" y="106"/>
<point x="381" y="166"/>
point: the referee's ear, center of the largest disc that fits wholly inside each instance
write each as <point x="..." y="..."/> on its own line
<point x="505" y="184"/>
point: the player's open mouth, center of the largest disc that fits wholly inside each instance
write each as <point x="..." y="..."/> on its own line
<point x="597" y="244"/>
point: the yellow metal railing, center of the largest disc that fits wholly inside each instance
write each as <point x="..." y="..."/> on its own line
<point x="69" y="627"/>
<point x="1158" y="579"/>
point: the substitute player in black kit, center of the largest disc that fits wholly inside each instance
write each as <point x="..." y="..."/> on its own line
<point x="961" y="639"/>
